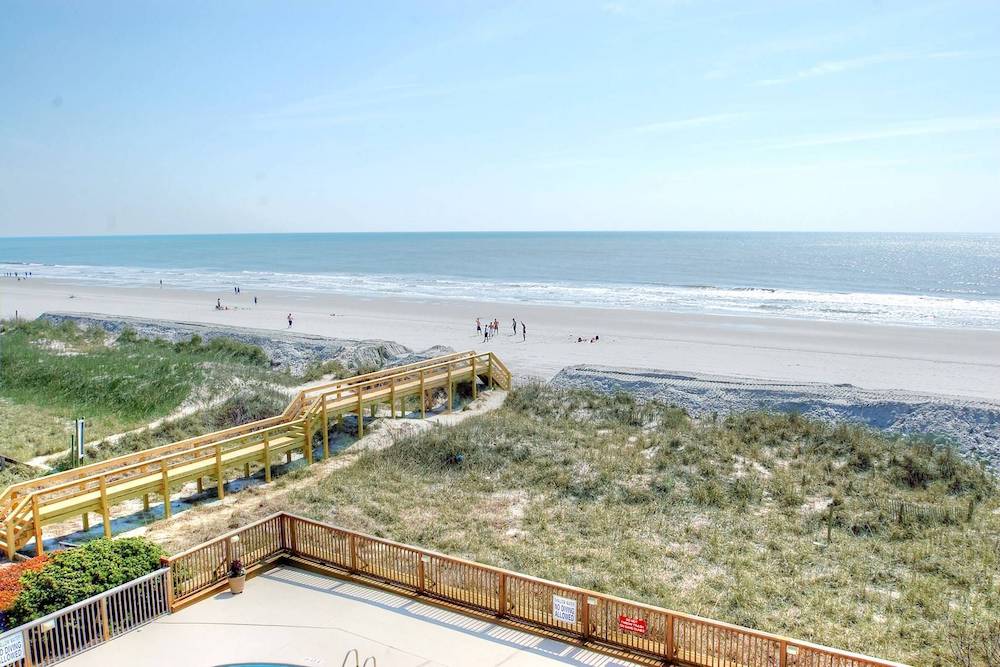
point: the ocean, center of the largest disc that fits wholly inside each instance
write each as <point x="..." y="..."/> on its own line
<point x="948" y="280"/>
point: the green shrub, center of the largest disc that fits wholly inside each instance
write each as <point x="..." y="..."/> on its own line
<point x="83" y="572"/>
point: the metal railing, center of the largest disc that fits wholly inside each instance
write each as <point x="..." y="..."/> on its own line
<point x="597" y="619"/>
<point x="84" y="625"/>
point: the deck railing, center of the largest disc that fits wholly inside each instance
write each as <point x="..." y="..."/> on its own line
<point x="597" y="619"/>
<point x="84" y="625"/>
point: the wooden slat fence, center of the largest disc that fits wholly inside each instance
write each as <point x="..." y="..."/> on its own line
<point x="207" y="565"/>
<point x="75" y="629"/>
<point x="602" y="620"/>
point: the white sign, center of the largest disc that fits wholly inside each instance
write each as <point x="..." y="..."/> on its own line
<point x="11" y="648"/>
<point x="564" y="609"/>
<point x="79" y="439"/>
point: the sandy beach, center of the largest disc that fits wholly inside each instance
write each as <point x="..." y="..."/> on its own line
<point x="931" y="360"/>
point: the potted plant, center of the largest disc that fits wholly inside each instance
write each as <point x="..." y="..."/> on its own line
<point x="237" y="576"/>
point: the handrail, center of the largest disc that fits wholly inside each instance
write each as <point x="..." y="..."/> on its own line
<point x="389" y="370"/>
<point x="382" y="561"/>
<point x="362" y="381"/>
<point x="242" y="429"/>
<point x="16" y="524"/>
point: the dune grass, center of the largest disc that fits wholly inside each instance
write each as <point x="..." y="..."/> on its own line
<point x="51" y="374"/>
<point x="727" y="519"/>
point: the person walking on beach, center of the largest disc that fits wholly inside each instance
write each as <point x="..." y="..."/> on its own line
<point x="524" y="332"/>
<point x="479" y="326"/>
<point x="289" y="320"/>
<point x="218" y="304"/>
<point x="255" y="301"/>
<point x="513" y="325"/>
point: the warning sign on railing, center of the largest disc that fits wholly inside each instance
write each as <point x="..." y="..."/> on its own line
<point x="11" y="648"/>
<point x="634" y="625"/>
<point x="564" y="609"/>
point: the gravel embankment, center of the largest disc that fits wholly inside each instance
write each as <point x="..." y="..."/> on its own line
<point x="972" y="425"/>
<point x="286" y="349"/>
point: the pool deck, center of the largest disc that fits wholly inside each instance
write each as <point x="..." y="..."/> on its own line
<point x="289" y="615"/>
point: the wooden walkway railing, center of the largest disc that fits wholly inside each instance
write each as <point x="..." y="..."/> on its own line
<point x="26" y="507"/>
<point x="639" y="630"/>
<point x="84" y="625"/>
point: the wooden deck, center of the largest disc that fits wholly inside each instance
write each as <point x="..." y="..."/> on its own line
<point x="304" y="426"/>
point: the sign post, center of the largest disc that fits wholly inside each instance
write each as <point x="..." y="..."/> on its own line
<point x="79" y="438"/>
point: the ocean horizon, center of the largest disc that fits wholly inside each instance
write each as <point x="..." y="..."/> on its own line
<point x="947" y="280"/>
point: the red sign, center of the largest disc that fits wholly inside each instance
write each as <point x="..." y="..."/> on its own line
<point x="629" y="624"/>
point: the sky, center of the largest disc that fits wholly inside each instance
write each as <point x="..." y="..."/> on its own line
<point x="245" y="116"/>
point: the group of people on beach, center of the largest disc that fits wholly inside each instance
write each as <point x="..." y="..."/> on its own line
<point x="492" y="329"/>
<point x="20" y="275"/>
<point x="237" y="291"/>
<point x="593" y="339"/>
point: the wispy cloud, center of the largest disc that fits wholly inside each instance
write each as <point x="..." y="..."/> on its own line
<point x="684" y="123"/>
<point x="828" y="67"/>
<point x="346" y="106"/>
<point x="953" y="125"/>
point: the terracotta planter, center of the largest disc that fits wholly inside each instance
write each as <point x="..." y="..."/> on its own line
<point x="236" y="584"/>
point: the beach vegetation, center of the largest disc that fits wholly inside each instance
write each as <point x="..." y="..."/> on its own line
<point x="51" y="374"/>
<point x="832" y="533"/>
<point x="77" y="574"/>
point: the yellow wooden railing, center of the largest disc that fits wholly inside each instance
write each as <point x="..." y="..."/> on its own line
<point x="27" y="506"/>
<point x="639" y="630"/>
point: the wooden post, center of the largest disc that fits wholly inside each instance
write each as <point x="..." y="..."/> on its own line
<point x="392" y="397"/>
<point x="145" y="502"/>
<point x="105" y="623"/>
<point x="502" y="595"/>
<point x="361" y="415"/>
<point x="420" y="574"/>
<point x="220" y="483"/>
<point x="86" y="522"/>
<point x="104" y="507"/>
<point x="201" y="485"/>
<point x="288" y="457"/>
<point x="475" y="380"/>
<point x="11" y="539"/>
<point x="489" y="369"/>
<point x="423" y="397"/>
<point x="585" y="616"/>
<point x="164" y="490"/>
<point x="450" y="390"/>
<point x="39" y="548"/>
<point x="26" y="639"/>
<point x="373" y="410"/>
<point x="165" y="562"/>
<point x="307" y="447"/>
<point x="668" y="642"/>
<point x="267" y="459"/>
<point x="326" y="432"/>
<point x="352" y="543"/>
<point x="783" y="656"/>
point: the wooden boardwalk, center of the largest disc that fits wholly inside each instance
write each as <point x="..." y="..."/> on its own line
<point x="304" y="425"/>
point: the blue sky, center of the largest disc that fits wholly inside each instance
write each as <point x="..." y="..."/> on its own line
<point x="173" y="117"/>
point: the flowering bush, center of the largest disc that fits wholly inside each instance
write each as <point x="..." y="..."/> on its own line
<point x="10" y="582"/>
